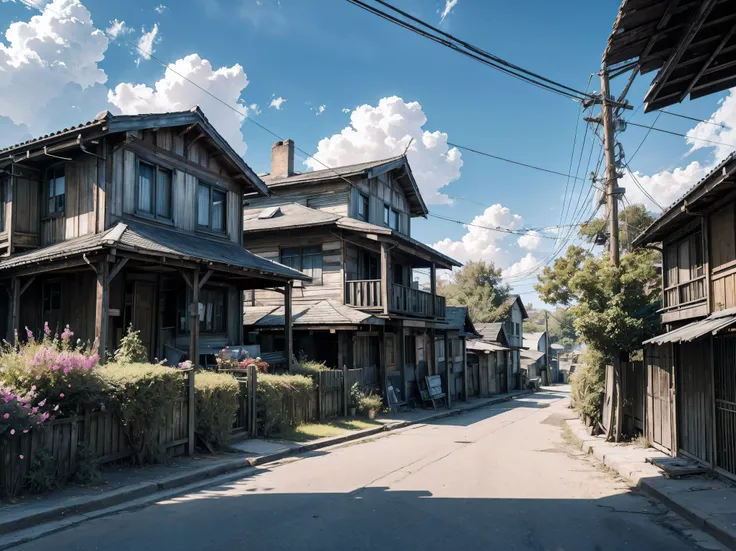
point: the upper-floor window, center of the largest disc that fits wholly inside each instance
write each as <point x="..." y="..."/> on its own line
<point x="211" y="203"/>
<point x="363" y="207"/>
<point x="684" y="261"/>
<point x="305" y="259"/>
<point x="154" y="190"/>
<point x="394" y="223"/>
<point x="386" y="215"/>
<point x="55" y="189"/>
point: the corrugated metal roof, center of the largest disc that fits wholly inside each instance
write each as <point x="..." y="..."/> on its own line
<point x="697" y="329"/>
<point x="313" y="313"/>
<point x="531" y="340"/>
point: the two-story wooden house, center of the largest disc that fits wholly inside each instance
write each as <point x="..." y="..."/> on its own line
<point x="130" y="220"/>
<point x="691" y="367"/>
<point x="349" y="229"/>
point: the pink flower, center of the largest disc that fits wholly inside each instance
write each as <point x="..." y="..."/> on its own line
<point x="56" y="407"/>
<point x="46" y="328"/>
<point x="61" y="395"/>
<point x="29" y="333"/>
<point x="22" y="456"/>
<point x="33" y="388"/>
<point x="6" y="416"/>
<point x="55" y="367"/>
<point x="42" y="403"/>
<point x="69" y="385"/>
<point x="12" y="431"/>
<point x="25" y="431"/>
<point x="67" y="334"/>
<point x="67" y="370"/>
<point x="38" y="377"/>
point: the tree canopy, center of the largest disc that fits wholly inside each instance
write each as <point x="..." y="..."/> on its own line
<point x="478" y="286"/>
<point x="633" y="220"/>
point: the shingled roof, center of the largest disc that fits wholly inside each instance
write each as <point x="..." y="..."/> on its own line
<point x="313" y="314"/>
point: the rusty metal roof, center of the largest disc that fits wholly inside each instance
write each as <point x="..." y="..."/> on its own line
<point x="697" y="329"/>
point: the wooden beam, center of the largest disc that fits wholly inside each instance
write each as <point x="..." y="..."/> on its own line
<point x="205" y="278"/>
<point x="288" y="333"/>
<point x="27" y="284"/>
<point x="187" y="280"/>
<point x="465" y="370"/>
<point x="707" y="63"/>
<point x="385" y="275"/>
<point x="194" y="320"/>
<point x="13" y="310"/>
<point x="10" y="205"/>
<point x="116" y="269"/>
<point x="102" y="308"/>
<point x="433" y="286"/>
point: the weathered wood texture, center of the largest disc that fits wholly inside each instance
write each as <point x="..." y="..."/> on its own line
<point x="634" y="384"/>
<point x="329" y="197"/>
<point x="725" y="403"/>
<point x="659" y="363"/>
<point x="694" y="399"/>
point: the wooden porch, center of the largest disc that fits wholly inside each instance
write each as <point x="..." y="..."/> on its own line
<point x="368" y="294"/>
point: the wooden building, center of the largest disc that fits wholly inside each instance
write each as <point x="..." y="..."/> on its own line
<point x="349" y="229"/>
<point x="690" y="369"/>
<point x="130" y="220"/>
<point x="534" y="358"/>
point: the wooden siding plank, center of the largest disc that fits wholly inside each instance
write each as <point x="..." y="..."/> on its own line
<point x="129" y="175"/>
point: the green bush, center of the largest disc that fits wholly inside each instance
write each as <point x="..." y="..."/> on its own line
<point x="141" y="394"/>
<point x="277" y="397"/>
<point x="369" y="402"/>
<point x="308" y="369"/>
<point x="216" y="396"/>
<point x="42" y="476"/>
<point x="131" y="348"/>
<point x="587" y="382"/>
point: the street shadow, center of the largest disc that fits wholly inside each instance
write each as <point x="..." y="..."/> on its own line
<point x="469" y="418"/>
<point x="247" y="514"/>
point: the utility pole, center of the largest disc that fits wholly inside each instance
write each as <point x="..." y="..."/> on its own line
<point x="546" y="346"/>
<point x="611" y="174"/>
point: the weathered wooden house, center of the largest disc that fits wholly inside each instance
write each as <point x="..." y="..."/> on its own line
<point x="534" y="359"/>
<point x="130" y="220"/>
<point x="689" y="379"/>
<point x="349" y="229"/>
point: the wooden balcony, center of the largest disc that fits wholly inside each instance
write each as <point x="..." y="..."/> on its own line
<point x="684" y="300"/>
<point x="366" y="294"/>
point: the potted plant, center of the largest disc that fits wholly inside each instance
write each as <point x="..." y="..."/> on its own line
<point x="370" y="404"/>
<point x="355" y="397"/>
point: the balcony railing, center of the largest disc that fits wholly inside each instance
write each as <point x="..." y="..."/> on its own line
<point x="366" y="293"/>
<point x="683" y="294"/>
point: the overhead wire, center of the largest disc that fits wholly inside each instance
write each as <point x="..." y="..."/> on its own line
<point x="673" y="133"/>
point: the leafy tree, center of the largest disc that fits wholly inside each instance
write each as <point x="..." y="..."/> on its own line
<point x="562" y="326"/>
<point x="633" y="220"/>
<point x="478" y="286"/>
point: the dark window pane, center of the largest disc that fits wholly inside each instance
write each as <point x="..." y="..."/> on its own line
<point x="312" y="263"/>
<point x="363" y="207"/>
<point x="394" y="220"/>
<point x="290" y="257"/>
<point x="203" y="205"/>
<point x="145" y="188"/>
<point x="163" y="194"/>
<point x="386" y="214"/>
<point x="219" y="201"/>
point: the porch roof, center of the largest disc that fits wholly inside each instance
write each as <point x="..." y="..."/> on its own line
<point x="154" y="241"/>
<point x="313" y="313"/>
<point x="697" y="329"/>
<point x="532" y="355"/>
<point x="482" y="346"/>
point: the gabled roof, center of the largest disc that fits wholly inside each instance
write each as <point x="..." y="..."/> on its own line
<point x="713" y="187"/>
<point x="531" y="340"/>
<point x="533" y="355"/>
<point x="312" y="313"/>
<point x="492" y="332"/>
<point x="370" y="169"/>
<point x="107" y="123"/>
<point x="458" y="319"/>
<point x="157" y="242"/>
<point x="294" y="216"/>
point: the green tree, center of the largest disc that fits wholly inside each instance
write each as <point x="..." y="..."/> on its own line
<point x="478" y="286"/>
<point x="562" y="326"/>
<point x="633" y="220"/>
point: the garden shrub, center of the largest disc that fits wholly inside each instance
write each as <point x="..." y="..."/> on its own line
<point x="308" y="369"/>
<point x="141" y="394"/>
<point x="42" y="476"/>
<point x="131" y="349"/>
<point x="217" y="397"/>
<point x="369" y="402"/>
<point x="278" y="396"/>
<point x="87" y="470"/>
<point x="587" y="382"/>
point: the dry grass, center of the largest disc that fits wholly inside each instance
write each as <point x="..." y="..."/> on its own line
<point x="641" y="441"/>
<point x="315" y="431"/>
<point x="569" y="435"/>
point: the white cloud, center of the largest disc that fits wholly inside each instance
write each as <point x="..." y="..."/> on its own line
<point x="346" y="110"/>
<point x="117" y="28"/>
<point x="146" y="43"/>
<point x="531" y="241"/>
<point x="49" y="63"/>
<point x="173" y="93"/>
<point x="160" y="9"/>
<point x="321" y="109"/>
<point x="483" y="244"/>
<point x="277" y="103"/>
<point x="253" y="108"/>
<point x="449" y="4"/>
<point x="666" y="186"/>
<point x="385" y="131"/>
<point x="725" y="115"/>
<point x="524" y="266"/>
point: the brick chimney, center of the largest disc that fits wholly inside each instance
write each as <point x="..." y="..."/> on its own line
<point x="282" y="159"/>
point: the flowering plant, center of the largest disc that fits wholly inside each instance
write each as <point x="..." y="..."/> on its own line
<point x="260" y="365"/>
<point x="227" y="360"/>
<point x="18" y="413"/>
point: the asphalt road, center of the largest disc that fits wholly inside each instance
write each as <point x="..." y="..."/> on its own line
<point x="499" y="478"/>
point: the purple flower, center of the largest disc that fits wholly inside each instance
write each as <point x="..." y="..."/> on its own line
<point x="46" y="328"/>
<point x="55" y="367"/>
<point x="61" y="395"/>
<point x="33" y="388"/>
<point x="67" y="334"/>
<point x="12" y="432"/>
<point x="44" y="417"/>
<point x="29" y="333"/>
<point x="42" y="403"/>
<point x="67" y="370"/>
<point x="25" y="431"/>
<point x="6" y="416"/>
<point x="38" y="377"/>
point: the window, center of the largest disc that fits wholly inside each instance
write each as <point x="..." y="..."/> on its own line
<point x="394" y="220"/>
<point x="154" y="191"/>
<point x="368" y="265"/>
<point x="3" y="196"/>
<point x="51" y="296"/>
<point x="212" y="310"/>
<point x="386" y="215"/>
<point x="305" y="259"/>
<point x="363" y="207"/>
<point x="55" y="189"/>
<point x="211" y="205"/>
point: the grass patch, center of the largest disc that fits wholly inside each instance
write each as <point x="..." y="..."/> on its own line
<point x="314" y="431"/>
<point x="570" y="436"/>
<point x="641" y="441"/>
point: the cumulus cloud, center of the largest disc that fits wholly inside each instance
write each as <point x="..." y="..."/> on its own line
<point x="531" y="241"/>
<point x="725" y="116"/>
<point x="346" y="110"/>
<point x="385" y="131"/>
<point x="117" y="28"/>
<point x="173" y="93"/>
<point x="524" y="266"/>
<point x="48" y="63"/>
<point x="146" y="43"/>
<point x="276" y="103"/>
<point x="254" y="108"/>
<point x="479" y="243"/>
<point x="160" y="9"/>
<point x="449" y="5"/>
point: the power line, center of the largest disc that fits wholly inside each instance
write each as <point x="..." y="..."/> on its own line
<point x="504" y="159"/>
<point x="470" y="50"/>
<point x="643" y="190"/>
<point x="649" y="130"/>
<point x="491" y="228"/>
<point x="680" y="134"/>
<point x="687" y="117"/>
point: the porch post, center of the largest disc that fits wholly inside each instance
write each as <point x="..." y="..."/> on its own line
<point x="465" y="370"/>
<point x="102" y="308"/>
<point x="385" y="276"/>
<point x="448" y="370"/>
<point x="433" y="287"/>
<point x="194" y="320"/>
<point x="13" y="309"/>
<point x="288" y="333"/>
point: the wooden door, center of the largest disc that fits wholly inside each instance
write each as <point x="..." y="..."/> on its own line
<point x="144" y="296"/>
<point x="724" y="368"/>
<point x="659" y="396"/>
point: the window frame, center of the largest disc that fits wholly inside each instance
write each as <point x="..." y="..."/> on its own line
<point x="206" y="292"/>
<point x="154" y="215"/>
<point x="300" y="261"/>
<point x="57" y="212"/>
<point x="395" y="216"/>
<point x="48" y="289"/>
<point x="363" y="201"/>
<point x="386" y="215"/>
<point x="212" y="189"/>
<point x="4" y="180"/>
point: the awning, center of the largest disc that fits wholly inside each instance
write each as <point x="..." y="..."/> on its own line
<point x="480" y="346"/>
<point x="533" y="355"/>
<point x="688" y="333"/>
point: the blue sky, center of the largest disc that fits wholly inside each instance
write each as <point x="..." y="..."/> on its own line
<point x="330" y="53"/>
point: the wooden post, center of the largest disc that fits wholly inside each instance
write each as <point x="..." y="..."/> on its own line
<point x="382" y="360"/>
<point x="190" y="412"/>
<point x="713" y="432"/>
<point x="672" y="397"/>
<point x="385" y="276"/>
<point x="194" y="320"/>
<point x="448" y="370"/>
<point x="345" y="391"/>
<point x="288" y="333"/>
<point x="465" y="370"/>
<point x="430" y="353"/>
<point x="433" y="287"/>
<point x="10" y="212"/>
<point x="252" y="401"/>
<point x="13" y="309"/>
<point x="321" y="396"/>
<point x="102" y="308"/>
